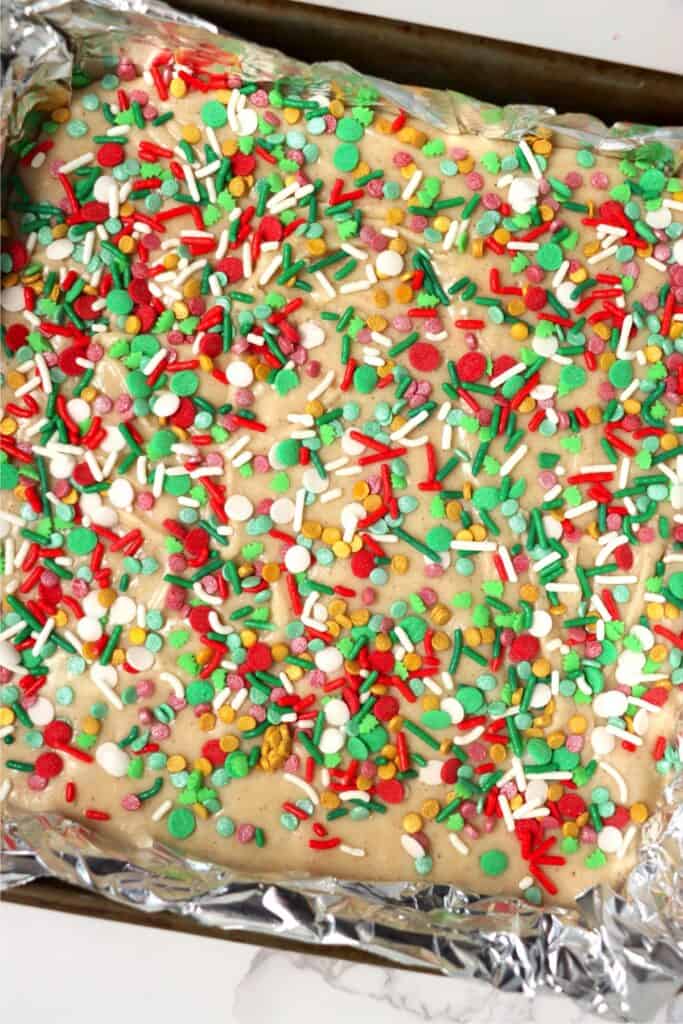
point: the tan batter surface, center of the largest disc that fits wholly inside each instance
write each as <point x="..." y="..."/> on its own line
<point x="258" y="799"/>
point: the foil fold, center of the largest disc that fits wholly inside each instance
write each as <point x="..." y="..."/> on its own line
<point x="617" y="954"/>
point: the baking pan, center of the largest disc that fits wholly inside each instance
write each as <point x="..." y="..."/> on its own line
<point x="492" y="70"/>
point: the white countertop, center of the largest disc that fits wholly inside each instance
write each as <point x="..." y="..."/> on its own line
<point x="630" y="32"/>
<point x="63" y="969"/>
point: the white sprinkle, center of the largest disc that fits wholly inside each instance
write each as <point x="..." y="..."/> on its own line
<point x="471" y="736"/>
<point x="512" y="461"/>
<point x="530" y="159"/>
<point x="404" y="639"/>
<point x="206" y="171"/>
<point x="355" y="286"/>
<point x="612" y="581"/>
<point x="222" y="246"/>
<point x="11" y="631"/>
<point x="283" y="194"/>
<point x="107" y="691"/>
<point x="191" y="183"/>
<point x="623" y="337"/>
<point x="518" y="773"/>
<point x="457" y="842"/>
<point x="5" y="786"/>
<point x="271" y="269"/>
<point x="162" y="810"/>
<point x="618" y="778"/>
<point x="352" y="851"/>
<point x="43" y="636"/>
<point x="306" y="787"/>
<point x="449" y="239"/>
<point x="529" y="811"/>
<point x="174" y="683"/>
<point x="325" y="284"/>
<point x="512" y="371"/>
<point x="351" y="250"/>
<point x="412" y="185"/>
<point x="472" y="545"/>
<point x="560" y="273"/>
<point x="630" y="833"/>
<point x="189" y="271"/>
<point x="507" y="563"/>
<point x="604" y="255"/>
<point x="321" y="387"/>
<point x="78" y="162"/>
<point x="547" y="560"/>
<point x="409" y="426"/>
<point x="621" y="734"/>
<point x="580" y="510"/>
<point x="504" y="805"/>
<point x="299" y="503"/>
<point x="221" y="698"/>
<point x="237" y="447"/>
<point x="44" y="373"/>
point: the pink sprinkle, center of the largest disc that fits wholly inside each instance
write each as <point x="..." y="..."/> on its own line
<point x="474" y="181"/>
<point x="433" y="570"/>
<point x="478" y="751"/>
<point x="145" y="501"/>
<point x="245" y="833"/>
<point x="131" y="802"/>
<point x="79" y="588"/>
<point x="36" y="782"/>
<point x="94" y="352"/>
<point x="144" y="688"/>
<point x="534" y="274"/>
<point x="102" y="405"/>
<point x="61" y="488"/>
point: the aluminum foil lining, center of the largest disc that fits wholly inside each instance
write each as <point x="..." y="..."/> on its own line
<point x="617" y="954"/>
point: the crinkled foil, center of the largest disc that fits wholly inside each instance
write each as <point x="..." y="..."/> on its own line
<point x="618" y="954"/>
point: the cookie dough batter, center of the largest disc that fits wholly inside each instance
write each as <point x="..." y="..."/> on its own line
<point x="341" y="475"/>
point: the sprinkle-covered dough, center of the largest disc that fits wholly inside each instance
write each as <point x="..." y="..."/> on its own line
<point x="342" y="478"/>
